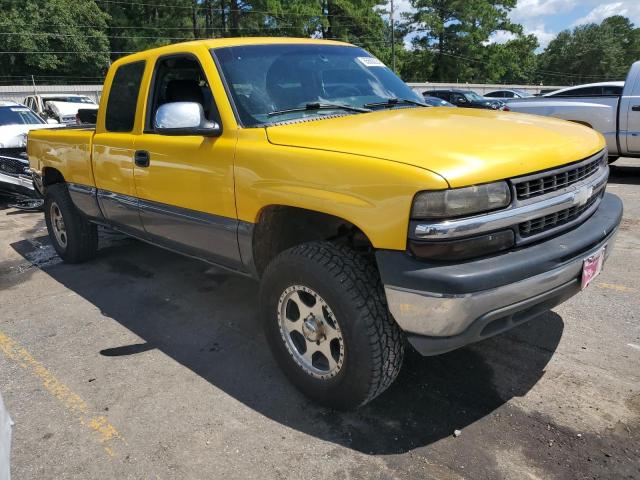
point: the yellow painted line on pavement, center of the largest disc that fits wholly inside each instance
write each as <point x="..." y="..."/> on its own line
<point x="614" y="286"/>
<point x="102" y="430"/>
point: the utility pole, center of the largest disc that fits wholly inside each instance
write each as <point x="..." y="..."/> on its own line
<point x="393" y="40"/>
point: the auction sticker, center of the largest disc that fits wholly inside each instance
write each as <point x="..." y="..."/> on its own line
<point x="371" y="62"/>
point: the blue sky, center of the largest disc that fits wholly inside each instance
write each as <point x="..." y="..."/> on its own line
<point x="546" y="18"/>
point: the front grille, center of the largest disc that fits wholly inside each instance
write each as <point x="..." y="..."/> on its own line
<point x="17" y="152"/>
<point x="547" y="222"/>
<point x="555" y="181"/>
<point x="13" y="166"/>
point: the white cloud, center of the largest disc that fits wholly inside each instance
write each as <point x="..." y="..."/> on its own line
<point x="501" y="36"/>
<point x="530" y="14"/>
<point x="629" y="9"/>
<point x="540" y="31"/>
<point x="529" y="9"/>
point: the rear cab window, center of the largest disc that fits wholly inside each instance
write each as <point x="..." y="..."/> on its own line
<point x="123" y="97"/>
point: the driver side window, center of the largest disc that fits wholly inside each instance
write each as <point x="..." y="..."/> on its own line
<point x="180" y="78"/>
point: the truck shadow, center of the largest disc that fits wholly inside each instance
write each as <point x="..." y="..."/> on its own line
<point x="207" y="321"/>
<point x="624" y="174"/>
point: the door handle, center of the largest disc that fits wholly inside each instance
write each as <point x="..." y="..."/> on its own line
<point x="141" y="157"/>
<point x="636" y="108"/>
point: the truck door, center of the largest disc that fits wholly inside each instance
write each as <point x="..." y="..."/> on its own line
<point x="185" y="182"/>
<point x="630" y="112"/>
<point x="113" y="152"/>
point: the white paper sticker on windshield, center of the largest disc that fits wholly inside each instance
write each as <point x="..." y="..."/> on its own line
<point x="19" y="109"/>
<point x="370" y="62"/>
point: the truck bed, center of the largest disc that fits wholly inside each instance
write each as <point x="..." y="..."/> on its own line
<point x="68" y="147"/>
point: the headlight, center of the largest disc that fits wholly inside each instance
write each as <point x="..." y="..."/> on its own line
<point x="457" y="202"/>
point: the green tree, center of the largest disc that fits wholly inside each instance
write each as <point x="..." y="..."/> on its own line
<point x="514" y="61"/>
<point x="57" y="38"/>
<point x="591" y="52"/>
<point x="457" y="31"/>
<point x="141" y="25"/>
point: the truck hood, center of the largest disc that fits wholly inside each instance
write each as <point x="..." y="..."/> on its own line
<point x="465" y="146"/>
<point x="15" y="136"/>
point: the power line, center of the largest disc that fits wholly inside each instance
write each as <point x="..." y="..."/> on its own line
<point x="220" y="10"/>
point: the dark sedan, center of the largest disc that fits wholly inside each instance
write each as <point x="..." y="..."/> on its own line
<point x="436" y="102"/>
<point x="466" y="99"/>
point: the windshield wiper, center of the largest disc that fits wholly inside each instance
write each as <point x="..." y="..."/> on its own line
<point x="392" y="102"/>
<point x="320" y="106"/>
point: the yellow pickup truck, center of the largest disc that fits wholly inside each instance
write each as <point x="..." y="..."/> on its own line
<point x="368" y="217"/>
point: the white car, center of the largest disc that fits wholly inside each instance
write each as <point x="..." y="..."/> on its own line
<point x="612" y="108"/>
<point x="589" y="90"/>
<point x="62" y="107"/>
<point x="507" y="94"/>
<point x="15" y="121"/>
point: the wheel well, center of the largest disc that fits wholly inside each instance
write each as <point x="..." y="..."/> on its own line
<point x="50" y="176"/>
<point x="281" y="227"/>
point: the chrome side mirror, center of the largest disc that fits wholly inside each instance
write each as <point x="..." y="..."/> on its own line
<point x="184" y="118"/>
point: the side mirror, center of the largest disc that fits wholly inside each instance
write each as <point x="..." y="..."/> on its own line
<point x="462" y="100"/>
<point x="184" y="118"/>
<point x="52" y="121"/>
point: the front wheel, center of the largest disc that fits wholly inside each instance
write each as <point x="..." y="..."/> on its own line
<point x="72" y="235"/>
<point x="328" y="326"/>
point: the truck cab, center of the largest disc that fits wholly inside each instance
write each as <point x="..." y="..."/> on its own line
<point x="368" y="217"/>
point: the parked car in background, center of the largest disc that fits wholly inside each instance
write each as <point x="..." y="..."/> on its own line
<point x="589" y="90"/>
<point x="612" y="108"/>
<point x="507" y="93"/>
<point x="466" y="99"/>
<point x="309" y="165"/>
<point x="15" y="121"/>
<point x="87" y="116"/>
<point x="61" y="107"/>
<point x="436" y="102"/>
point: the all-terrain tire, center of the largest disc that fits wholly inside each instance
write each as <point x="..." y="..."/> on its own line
<point x="75" y="239"/>
<point x="350" y="285"/>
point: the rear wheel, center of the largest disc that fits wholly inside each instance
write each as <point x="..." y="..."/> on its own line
<point x="72" y="235"/>
<point x="328" y="326"/>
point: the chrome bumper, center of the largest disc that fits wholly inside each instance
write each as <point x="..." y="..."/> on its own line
<point x="443" y="306"/>
<point x="16" y="183"/>
<point x="441" y="315"/>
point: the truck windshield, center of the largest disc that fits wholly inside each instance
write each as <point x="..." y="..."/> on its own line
<point x="18" y="116"/>
<point x="70" y="100"/>
<point x="272" y="78"/>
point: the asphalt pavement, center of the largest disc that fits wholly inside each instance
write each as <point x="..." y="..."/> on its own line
<point x="145" y="364"/>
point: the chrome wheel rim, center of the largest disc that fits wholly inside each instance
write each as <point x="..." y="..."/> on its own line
<point x="310" y="331"/>
<point x="57" y="224"/>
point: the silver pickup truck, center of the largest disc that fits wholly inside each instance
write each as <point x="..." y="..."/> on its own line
<point x="617" y="117"/>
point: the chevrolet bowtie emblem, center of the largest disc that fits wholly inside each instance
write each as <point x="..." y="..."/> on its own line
<point x="582" y="196"/>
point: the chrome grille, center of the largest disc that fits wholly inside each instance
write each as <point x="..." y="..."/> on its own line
<point x="553" y="220"/>
<point x="555" y="180"/>
<point x="13" y="166"/>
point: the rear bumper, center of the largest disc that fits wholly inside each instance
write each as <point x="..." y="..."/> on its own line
<point x="442" y="307"/>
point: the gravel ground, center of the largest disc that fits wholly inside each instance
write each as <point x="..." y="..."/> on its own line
<point x="145" y="364"/>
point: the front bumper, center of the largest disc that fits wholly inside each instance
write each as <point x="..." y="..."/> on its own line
<point x="442" y="307"/>
<point x="20" y="184"/>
